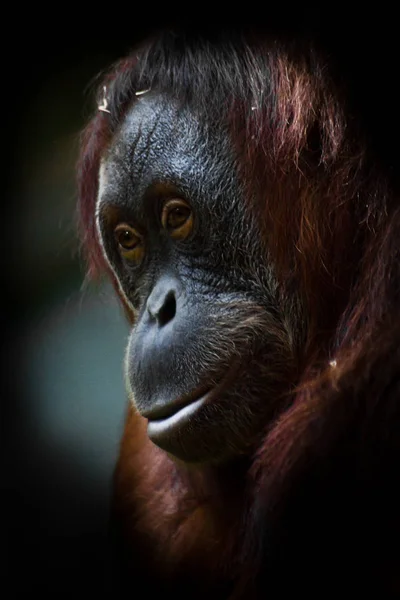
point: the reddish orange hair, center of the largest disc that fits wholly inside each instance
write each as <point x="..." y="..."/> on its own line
<point x="331" y="226"/>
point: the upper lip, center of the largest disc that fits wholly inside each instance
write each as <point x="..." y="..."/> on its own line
<point x="158" y="413"/>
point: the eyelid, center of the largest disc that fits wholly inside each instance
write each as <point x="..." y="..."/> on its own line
<point x="134" y="253"/>
<point x="171" y="204"/>
<point x="121" y="227"/>
<point x="183" y="230"/>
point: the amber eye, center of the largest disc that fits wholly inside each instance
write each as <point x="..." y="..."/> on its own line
<point x="177" y="219"/>
<point x="130" y="242"/>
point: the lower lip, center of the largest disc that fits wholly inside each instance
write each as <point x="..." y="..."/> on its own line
<point x="161" y="428"/>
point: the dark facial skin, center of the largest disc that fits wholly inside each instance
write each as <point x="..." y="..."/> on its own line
<point x="211" y="348"/>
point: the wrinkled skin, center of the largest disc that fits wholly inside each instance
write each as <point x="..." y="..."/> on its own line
<point x="212" y="345"/>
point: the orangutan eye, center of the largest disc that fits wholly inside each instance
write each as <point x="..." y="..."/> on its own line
<point x="130" y="242"/>
<point x="177" y="219"/>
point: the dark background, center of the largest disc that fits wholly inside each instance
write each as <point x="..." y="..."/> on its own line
<point x="63" y="339"/>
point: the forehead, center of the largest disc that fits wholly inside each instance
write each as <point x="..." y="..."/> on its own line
<point x="157" y="137"/>
<point x="154" y="124"/>
<point x="162" y="141"/>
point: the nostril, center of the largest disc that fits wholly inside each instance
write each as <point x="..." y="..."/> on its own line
<point x="162" y="305"/>
<point x="168" y="309"/>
